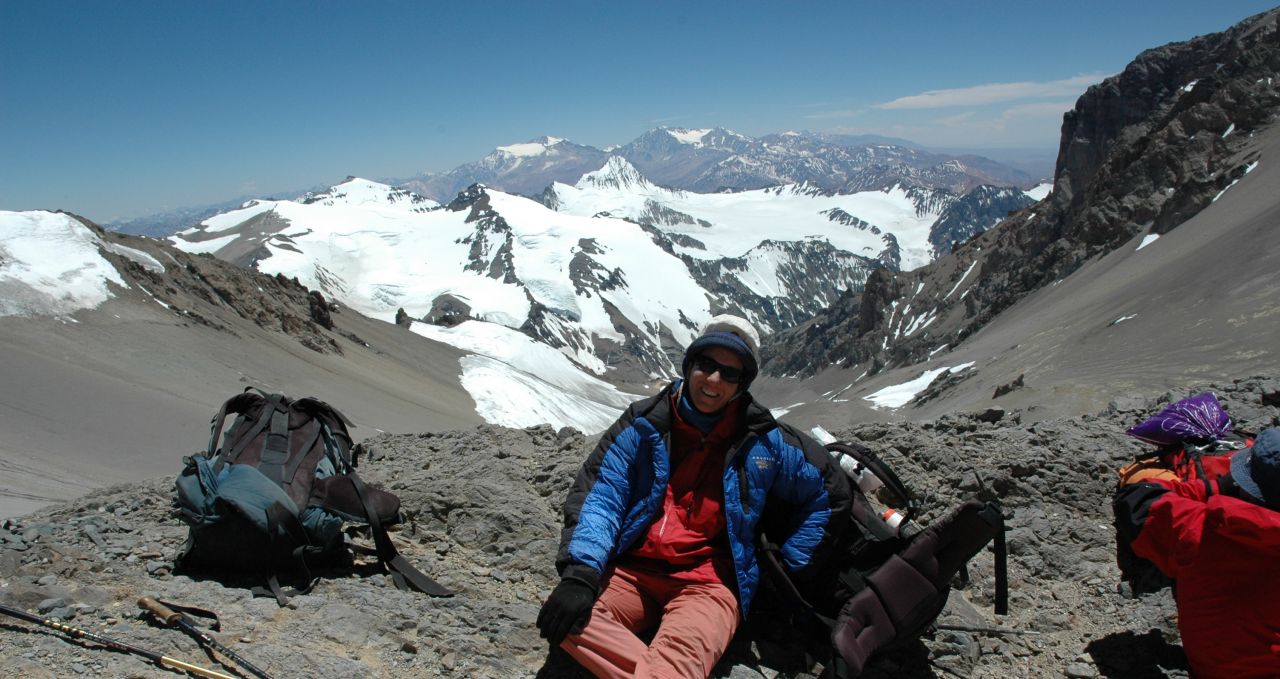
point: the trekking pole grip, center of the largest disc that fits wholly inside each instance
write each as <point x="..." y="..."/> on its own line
<point x="161" y="611"/>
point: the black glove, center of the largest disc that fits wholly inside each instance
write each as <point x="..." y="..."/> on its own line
<point x="566" y="610"/>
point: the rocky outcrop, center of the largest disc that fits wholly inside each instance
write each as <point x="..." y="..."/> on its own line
<point x="201" y="288"/>
<point x="446" y="310"/>
<point x="810" y="276"/>
<point x="973" y="213"/>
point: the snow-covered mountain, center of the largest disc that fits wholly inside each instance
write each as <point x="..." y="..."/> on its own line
<point x="872" y="224"/>
<point x="51" y="264"/>
<point x="588" y="287"/>
<point x="130" y="290"/>
<point x="524" y="169"/>
<point x="901" y="228"/>
<point x="616" y="277"/>
<point x="355" y="191"/>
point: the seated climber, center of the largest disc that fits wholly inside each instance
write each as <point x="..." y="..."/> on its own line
<point x="660" y="522"/>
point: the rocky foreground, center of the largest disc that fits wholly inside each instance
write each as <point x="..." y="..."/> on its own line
<point x="482" y="517"/>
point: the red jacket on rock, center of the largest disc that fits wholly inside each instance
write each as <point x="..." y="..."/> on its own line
<point x="1224" y="554"/>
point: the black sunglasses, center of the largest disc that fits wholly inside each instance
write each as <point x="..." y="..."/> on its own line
<point x="708" y="366"/>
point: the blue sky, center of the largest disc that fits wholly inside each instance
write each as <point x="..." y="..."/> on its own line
<point x="126" y="108"/>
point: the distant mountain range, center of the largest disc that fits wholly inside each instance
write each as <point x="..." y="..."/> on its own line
<point x="719" y="160"/>
<point x="698" y="160"/>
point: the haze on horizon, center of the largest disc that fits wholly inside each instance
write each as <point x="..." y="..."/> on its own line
<point x="118" y="110"/>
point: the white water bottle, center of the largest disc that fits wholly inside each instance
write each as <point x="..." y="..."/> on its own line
<point x="860" y="474"/>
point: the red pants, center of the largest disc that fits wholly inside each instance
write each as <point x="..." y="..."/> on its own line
<point x="695" y="623"/>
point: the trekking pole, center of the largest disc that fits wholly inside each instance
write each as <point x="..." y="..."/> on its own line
<point x="161" y="660"/>
<point x="172" y="618"/>
<point x="984" y="630"/>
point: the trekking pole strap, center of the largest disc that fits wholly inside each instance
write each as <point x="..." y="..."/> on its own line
<point x="214" y="623"/>
<point x="173" y="618"/>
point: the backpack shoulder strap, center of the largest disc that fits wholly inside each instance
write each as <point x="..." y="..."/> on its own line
<point x="239" y="404"/>
<point x="402" y="572"/>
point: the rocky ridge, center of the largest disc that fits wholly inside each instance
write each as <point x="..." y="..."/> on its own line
<point x="1141" y="152"/>
<point x="206" y="291"/>
<point x="481" y="515"/>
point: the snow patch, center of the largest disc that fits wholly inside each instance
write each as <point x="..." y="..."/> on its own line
<point x="529" y="149"/>
<point x="692" y="137"/>
<point x="519" y="382"/>
<point x="143" y="259"/>
<point x="51" y="265"/>
<point x="898" y="395"/>
<point x="1147" y="240"/>
<point x="962" y="279"/>
<point x="1039" y="192"/>
<point x="1249" y="168"/>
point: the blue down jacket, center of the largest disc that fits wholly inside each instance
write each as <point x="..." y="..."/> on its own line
<point x="619" y="491"/>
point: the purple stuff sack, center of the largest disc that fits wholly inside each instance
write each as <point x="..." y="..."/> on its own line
<point x="1197" y="418"/>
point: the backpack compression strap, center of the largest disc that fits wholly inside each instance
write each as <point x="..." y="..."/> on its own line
<point x="402" y="572"/>
<point x="279" y="517"/>
<point x="275" y="449"/>
<point x="239" y="404"/>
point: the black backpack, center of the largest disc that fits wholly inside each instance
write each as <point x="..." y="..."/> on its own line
<point x="274" y="497"/>
<point x="890" y="579"/>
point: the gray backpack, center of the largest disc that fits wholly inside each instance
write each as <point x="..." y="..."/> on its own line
<point x="273" y="498"/>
